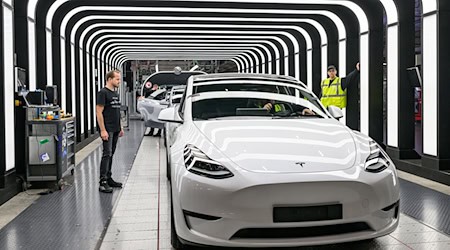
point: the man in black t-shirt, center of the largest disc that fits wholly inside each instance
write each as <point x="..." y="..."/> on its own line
<point x="108" y="118"/>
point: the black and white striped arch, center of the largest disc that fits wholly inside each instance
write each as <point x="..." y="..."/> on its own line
<point x="73" y="43"/>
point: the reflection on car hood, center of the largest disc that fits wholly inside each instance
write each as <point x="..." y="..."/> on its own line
<point x="283" y="146"/>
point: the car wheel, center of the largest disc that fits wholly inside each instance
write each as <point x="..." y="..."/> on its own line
<point x="174" y="240"/>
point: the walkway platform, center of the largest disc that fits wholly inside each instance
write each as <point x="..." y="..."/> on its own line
<point x="137" y="216"/>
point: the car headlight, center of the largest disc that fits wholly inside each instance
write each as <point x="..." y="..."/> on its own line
<point x="199" y="163"/>
<point x="377" y="160"/>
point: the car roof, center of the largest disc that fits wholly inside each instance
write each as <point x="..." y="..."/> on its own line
<point x="246" y="76"/>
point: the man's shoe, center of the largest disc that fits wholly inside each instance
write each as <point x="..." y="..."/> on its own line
<point x="104" y="187"/>
<point x="113" y="183"/>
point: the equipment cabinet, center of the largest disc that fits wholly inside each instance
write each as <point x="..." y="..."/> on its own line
<point x="50" y="146"/>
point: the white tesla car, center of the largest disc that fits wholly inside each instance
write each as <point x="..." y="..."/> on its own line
<point x="256" y="161"/>
<point x="174" y="98"/>
<point x="151" y="106"/>
<point x="155" y="100"/>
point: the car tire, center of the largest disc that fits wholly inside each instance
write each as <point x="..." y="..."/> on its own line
<point x="174" y="240"/>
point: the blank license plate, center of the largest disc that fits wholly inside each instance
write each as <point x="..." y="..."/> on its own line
<point x="309" y="213"/>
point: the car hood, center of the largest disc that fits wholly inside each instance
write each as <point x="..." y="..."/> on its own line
<point x="283" y="146"/>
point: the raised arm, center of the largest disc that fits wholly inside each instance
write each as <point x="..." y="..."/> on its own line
<point x="351" y="78"/>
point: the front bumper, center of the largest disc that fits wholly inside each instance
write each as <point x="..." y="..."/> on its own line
<point x="238" y="212"/>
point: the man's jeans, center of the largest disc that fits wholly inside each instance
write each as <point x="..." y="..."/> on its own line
<point x="109" y="147"/>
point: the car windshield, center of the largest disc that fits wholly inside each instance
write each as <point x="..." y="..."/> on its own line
<point x="252" y="104"/>
<point x="290" y="107"/>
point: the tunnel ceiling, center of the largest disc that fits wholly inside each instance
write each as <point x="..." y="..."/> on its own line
<point x="72" y="43"/>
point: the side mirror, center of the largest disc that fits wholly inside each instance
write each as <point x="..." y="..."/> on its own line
<point x="335" y="112"/>
<point x="170" y="115"/>
<point x="164" y="102"/>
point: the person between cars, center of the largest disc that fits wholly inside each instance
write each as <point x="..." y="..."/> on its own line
<point x="150" y="88"/>
<point x="334" y="88"/>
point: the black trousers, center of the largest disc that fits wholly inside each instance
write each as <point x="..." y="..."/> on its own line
<point x="109" y="147"/>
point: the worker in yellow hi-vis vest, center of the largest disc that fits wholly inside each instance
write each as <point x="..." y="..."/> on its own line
<point x="334" y="88"/>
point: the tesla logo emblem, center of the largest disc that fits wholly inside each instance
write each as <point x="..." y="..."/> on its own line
<point x="300" y="163"/>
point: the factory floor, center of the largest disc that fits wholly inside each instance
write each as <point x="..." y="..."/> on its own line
<point x="137" y="216"/>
